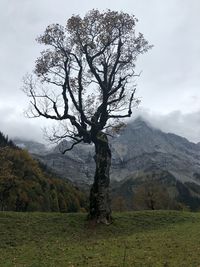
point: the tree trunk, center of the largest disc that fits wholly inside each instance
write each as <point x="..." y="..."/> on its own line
<point x="100" y="203"/>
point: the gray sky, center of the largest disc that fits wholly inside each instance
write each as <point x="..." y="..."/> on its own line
<point x="170" y="80"/>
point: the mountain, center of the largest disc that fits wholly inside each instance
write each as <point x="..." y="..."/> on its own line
<point x="76" y="165"/>
<point x="142" y="156"/>
<point x="138" y="147"/>
<point x="32" y="146"/>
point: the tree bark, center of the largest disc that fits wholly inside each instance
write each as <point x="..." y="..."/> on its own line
<point x="100" y="204"/>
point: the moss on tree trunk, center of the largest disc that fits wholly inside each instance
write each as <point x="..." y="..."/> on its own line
<point x="100" y="204"/>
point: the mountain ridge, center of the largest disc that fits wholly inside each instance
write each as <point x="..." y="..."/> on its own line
<point x="136" y="147"/>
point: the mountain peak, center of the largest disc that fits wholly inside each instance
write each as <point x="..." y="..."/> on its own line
<point x="141" y="122"/>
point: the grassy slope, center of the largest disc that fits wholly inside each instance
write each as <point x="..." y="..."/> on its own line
<point x="160" y="238"/>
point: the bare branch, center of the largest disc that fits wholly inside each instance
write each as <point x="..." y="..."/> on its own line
<point x="92" y="68"/>
<point x="116" y="61"/>
<point x="129" y="108"/>
<point x="74" y="144"/>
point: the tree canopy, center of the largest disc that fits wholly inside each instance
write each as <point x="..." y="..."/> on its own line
<point x="86" y="74"/>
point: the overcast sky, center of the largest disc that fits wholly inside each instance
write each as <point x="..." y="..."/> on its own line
<point x="169" y="86"/>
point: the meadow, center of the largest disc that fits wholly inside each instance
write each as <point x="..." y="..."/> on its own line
<point x="144" y="238"/>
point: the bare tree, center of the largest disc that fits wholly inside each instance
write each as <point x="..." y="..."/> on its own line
<point x="85" y="78"/>
<point x="152" y="195"/>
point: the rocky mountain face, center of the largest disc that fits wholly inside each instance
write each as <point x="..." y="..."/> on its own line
<point x="138" y="147"/>
<point x="141" y="147"/>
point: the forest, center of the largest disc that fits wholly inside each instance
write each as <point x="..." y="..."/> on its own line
<point x="26" y="185"/>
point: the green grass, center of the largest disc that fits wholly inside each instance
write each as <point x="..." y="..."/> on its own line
<point x="136" y="239"/>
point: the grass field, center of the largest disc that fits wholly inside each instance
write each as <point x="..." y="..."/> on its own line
<point x="160" y="238"/>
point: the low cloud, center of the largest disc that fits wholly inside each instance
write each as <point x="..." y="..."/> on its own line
<point x="183" y="124"/>
<point x="14" y="124"/>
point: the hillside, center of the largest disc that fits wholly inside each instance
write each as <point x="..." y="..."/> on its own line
<point x="26" y="184"/>
<point x="139" y="239"/>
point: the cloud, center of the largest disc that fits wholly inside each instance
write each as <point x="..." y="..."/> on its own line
<point x="14" y="124"/>
<point x="169" y="84"/>
<point x="186" y="125"/>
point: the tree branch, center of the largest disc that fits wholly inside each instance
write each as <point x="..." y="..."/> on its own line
<point x="74" y="144"/>
<point x="116" y="62"/>
<point x="92" y="68"/>
<point x="129" y="108"/>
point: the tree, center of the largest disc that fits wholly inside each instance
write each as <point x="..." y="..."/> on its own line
<point x="152" y="195"/>
<point x="119" y="204"/>
<point x="84" y="80"/>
